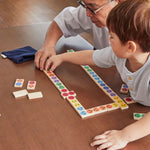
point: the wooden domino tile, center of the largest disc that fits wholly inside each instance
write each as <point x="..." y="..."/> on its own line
<point x="58" y="84"/>
<point x="70" y="96"/>
<point x="138" y="116"/>
<point x="95" y="110"/>
<point x="35" y="95"/>
<point x="77" y="106"/>
<point x="129" y="100"/>
<point x="19" y="83"/>
<point x="103" y="86"/>
<point x="70" y="50"/>
<point x="31" y="85"/>
<point x="112" y="106"/>
<point x="3" y="56"/>
<point x="124" y="89"/>
<point x="20" y="93"/>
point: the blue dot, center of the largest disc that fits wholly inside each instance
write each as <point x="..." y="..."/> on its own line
<point x="102" y="84"/>
<point x="97" y="78"/>
<point x="92" y="72"/>
<point x="80" y="108"/>
<point x="94" y="75"/>
<point x="100" y="81"/>
<point x="18" y="83"/>
<point x="83" y="112"/>
<point x="106" y="87"/>
<point x="125" y="86"/>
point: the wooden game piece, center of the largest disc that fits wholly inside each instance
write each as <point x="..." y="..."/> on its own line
<point x="138" y="116"/>
<point x="31" y="85"/>
<point x="35" y="95"/>
<point x="58" y="84"/>
<point x="64" y="95"/>
<point x="77" y="106"/>
<point x="19" y="83"/>
<point x="20" y="93"/>
<point x="124" y="89"/>
<point x="3" y="56"/>
<point x="112" y="106"/>
<point x="70" y="50"/>
<point x="103" y="86"/>
<point x="64" y="91"/>
<point x="123" y="106"/>
<point x="129" y="100"/>
<point x="72" y="93"/>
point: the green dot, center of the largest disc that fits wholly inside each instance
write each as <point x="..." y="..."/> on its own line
<point x="70" y="50"/>
<point x="58" y="84"/>
<point x="61" y="87"/>
<point x="137" y="115"/>
<point x="142" y="115"/>
<point x="89" y="70"/>
<point x="86" y="67"/>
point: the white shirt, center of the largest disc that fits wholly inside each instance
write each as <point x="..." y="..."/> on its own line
<point x="73" y="21"/>
<point x="138" y="82"/>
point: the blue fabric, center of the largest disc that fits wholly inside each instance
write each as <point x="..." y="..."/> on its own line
<point x="21" y="55"/>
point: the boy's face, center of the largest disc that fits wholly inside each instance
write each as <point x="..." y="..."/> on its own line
<point x="99" y="19"/>
<point x="119" y="49"/>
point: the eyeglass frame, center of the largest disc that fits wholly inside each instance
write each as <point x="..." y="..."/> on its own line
<point x="81" y="2"/>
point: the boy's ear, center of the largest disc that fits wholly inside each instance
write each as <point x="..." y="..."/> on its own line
<point x="131" y="46"/>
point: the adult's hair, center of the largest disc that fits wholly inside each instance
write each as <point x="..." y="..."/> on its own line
<point x="130" y="20"/>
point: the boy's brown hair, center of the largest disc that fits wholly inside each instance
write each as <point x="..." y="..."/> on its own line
<point x="130" y="20"/>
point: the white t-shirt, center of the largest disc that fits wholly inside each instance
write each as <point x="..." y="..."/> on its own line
<point x="73" y="21"/>
<point x="138" y="82"/>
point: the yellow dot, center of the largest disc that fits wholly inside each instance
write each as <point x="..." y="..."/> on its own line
<point x="74" y="101"/>
<point x="77" y="104"/>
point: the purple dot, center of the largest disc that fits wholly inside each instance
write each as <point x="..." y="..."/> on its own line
<point x="56" y="81"/>
<point x="112" y="94"/>
<point x="53" y="78"/>
<point x="109" y="91"/>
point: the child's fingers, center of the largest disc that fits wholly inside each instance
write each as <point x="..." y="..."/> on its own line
<point x="48" y="64"/>
<point x="102" y="136"/>
<point x="105" y="145"/>
<point x="98" y="142"/>
<point x="107" y="132"/>
<point x="53" y="67"/>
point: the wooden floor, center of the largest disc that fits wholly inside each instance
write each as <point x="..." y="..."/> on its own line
<point x="27" y="12"/>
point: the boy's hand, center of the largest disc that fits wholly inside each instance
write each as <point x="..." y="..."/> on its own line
<point x="110" y="140"/>
<point x="53" y="62"/>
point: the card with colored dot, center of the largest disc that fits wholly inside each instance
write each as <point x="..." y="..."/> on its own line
<point x="112" y="106"/>
<point x="70" y="50"/>
<point x="129" y="100"/>
<point x="19" y="83"/>
<point x="138" y="116"/>
<point x="123" y="106"/>
<point x="31" y="85"/>
<point x="64" y="94"/>
<point x="124" y="89"/>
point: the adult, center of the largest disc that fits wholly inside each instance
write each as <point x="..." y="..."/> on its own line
<point x="90" y="16"/>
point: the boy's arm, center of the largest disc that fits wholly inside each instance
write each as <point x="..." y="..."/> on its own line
<point x="117" y="139"/>
<point x="138" y="129"/>
<point x="81" y="58"/>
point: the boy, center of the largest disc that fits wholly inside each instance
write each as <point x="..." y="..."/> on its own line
<point x="129" y="28"/>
